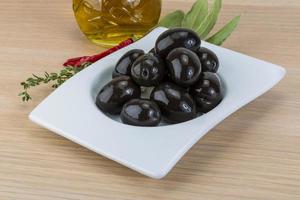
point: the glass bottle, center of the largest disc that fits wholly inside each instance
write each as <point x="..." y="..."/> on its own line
<point x="108" y="22"/>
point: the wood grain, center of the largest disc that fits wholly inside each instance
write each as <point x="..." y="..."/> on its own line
<point x="254" y="154"/>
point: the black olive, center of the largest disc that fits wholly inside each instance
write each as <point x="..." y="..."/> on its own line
<point x="167" y="78"/>
<point x="184" y="66"/>
<point x="152" y="51"/>
<point x="139" y="112"/>
<point x="208" y="59"/>
<point x="114" y="94"/>
<point x="207" y="92"/>
<point x="123" y="66"/>
<point x="174" y="38"/>
<point x="148" y="70"/>
<point x="175" y="103"/>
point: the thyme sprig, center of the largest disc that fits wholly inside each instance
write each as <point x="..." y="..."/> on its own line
<point x="57" y="78"/>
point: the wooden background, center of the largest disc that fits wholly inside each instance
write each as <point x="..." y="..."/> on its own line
<point x="254" y="154"/>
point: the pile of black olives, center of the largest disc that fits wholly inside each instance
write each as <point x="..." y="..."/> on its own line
<point x="179" y="73"/>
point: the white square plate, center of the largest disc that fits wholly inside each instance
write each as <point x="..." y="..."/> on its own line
<point x="70" y="111"/>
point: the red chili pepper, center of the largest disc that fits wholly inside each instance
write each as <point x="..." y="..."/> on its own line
<point x="76" y="62"/>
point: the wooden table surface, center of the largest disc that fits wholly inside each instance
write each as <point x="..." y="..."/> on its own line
<point x="253" y="154"/>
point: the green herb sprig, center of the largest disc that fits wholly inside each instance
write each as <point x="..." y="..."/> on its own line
<point x="57" y="79"/>
<point x="202" y="20"/>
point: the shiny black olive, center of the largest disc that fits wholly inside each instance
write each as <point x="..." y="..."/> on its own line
<point x="184" y="66"/>
<point x="152" y="51"/>
<point x="175" y="103"/>
<point x="208" y="59"/>
<point x="116" y="93"/>
<point x="123" y="66"/>
<point x="207" y="92"/>
<point x="139" y="112"/>
<point x="148" y="70"/>
<point x="174" y="38"/>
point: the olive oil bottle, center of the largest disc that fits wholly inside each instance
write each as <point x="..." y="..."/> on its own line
<point x="108" y="22"/>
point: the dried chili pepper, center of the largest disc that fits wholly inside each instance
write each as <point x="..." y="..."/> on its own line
<point x="79" y="61"/>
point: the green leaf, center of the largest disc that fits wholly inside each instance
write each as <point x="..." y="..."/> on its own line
<point x="210" y="20"/>
<point x="172" y="19"/>
<point x="219" y="37"/>
<point x="196" y="15"/>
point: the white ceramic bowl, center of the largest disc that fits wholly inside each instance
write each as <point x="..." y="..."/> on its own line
<point x="70" y="111"/>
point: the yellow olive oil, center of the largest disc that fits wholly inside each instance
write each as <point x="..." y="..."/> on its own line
<point x="108" y="22"/>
